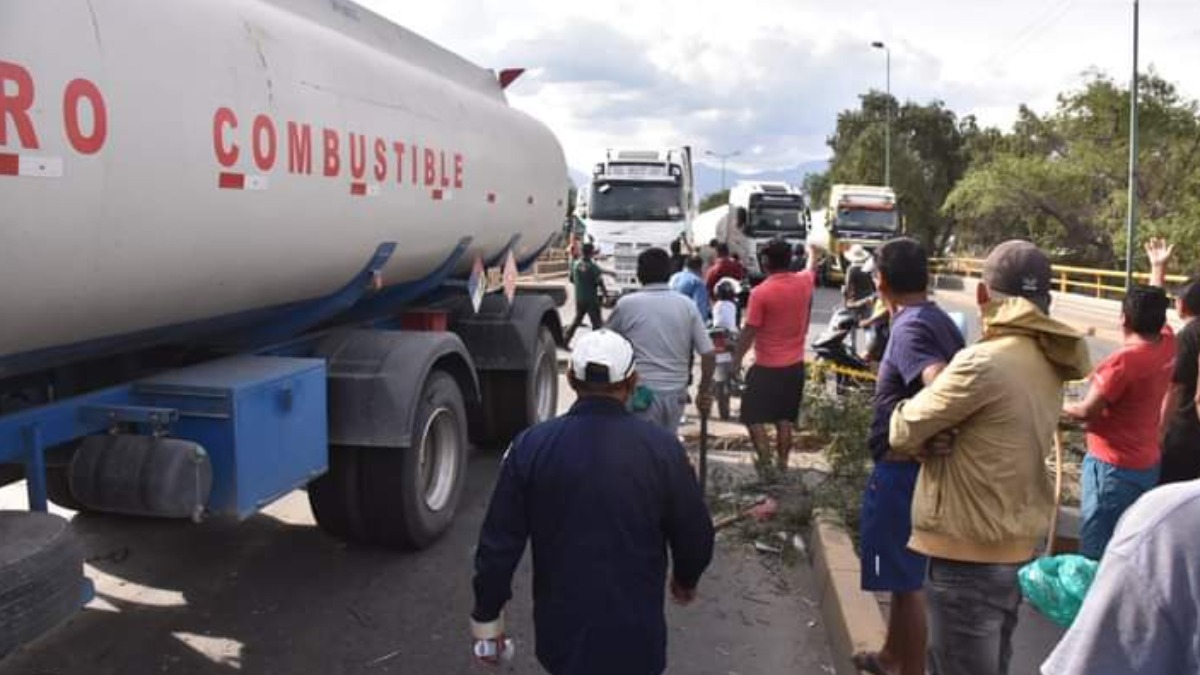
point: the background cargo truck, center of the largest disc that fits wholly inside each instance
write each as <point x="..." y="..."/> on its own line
<point x="244" y="248"/>
<point x="636" y="200"/>
<point x="867" y="215"/>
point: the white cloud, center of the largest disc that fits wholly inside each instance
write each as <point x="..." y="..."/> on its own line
<point x="768" y="77"/>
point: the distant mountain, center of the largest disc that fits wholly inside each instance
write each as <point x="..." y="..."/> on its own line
<point x="579" y="178"/>
<point x="708" y="179"/>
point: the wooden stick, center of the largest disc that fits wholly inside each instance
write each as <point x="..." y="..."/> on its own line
<point x="1052" y="535"/>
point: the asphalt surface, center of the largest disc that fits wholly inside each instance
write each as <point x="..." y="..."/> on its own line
<point x="275" y="595"/>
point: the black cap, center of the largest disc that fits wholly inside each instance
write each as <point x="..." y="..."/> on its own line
<point x="1189" y="294"/>
<point x="1019" y="268"/>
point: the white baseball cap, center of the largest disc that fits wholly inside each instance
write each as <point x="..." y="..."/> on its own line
<point x="602" y="357"/>
<point x="857" y="254"/>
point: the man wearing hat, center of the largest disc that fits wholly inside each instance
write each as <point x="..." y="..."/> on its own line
<point x="858" y="288"/>
<point x="982" y="429"/>
<point x="603" y="496"/>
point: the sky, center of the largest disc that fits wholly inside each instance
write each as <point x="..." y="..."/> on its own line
<point x="766" y="78"/>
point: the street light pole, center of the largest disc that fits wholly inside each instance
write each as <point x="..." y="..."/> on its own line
<point x="1131" y="215"/>
<point x="723" y="156"/>
<point x="887" y="129"/>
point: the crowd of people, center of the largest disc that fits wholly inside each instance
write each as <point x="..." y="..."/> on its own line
<point x="959" y="497"/>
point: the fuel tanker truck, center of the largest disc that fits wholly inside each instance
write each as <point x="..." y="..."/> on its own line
<point x="250" y="246"/>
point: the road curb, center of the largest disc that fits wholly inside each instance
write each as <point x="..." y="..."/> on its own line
<point x="853" y="620"/>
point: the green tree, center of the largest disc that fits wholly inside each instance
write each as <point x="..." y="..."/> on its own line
<point x="816" y="185"/>
<point x="1062" y="179"/>
<point x="714" y="199"/>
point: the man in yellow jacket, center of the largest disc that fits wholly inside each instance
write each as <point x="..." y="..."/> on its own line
<point x="983" y="429"/>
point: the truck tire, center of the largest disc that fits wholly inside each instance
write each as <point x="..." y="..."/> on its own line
<point x="334" y="496"/>
<point x="41" y="576"/>
<point x="410" y="494"/>
<point x="400" y="497"/>
<point x="516" y="401"/>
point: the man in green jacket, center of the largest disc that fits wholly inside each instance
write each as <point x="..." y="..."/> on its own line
<point x="983" y="429"/>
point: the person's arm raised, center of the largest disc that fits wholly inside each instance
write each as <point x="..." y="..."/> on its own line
<point x="1159" y="253"/>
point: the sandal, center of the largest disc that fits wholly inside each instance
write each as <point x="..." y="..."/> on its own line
<point x="868" y="662"/>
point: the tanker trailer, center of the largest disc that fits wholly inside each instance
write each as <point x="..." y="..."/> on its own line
<point x="245" y="247"/>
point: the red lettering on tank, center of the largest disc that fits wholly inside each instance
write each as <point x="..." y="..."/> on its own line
<point x="264" y="142"/>
<point x="299" y="148"/>
<point x="333" y="163"/>
<point x="398" y="147"/>
<point x="412" y="152"/>
<point x="84" y="144"/>
<point x="358" y="155"/>
<point x="458" y="171"/>
<point x="226" y="155"/>
<point x="445" y="179"/>
<point x="380" y="160"/>
<point x="17" y="106"/>
<point x="430" y="167"/>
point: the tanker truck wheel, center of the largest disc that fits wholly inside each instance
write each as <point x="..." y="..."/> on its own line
<point x="334" y="496"/>
<point x="516" y="401"/>
<point x="41" y="576"/>
<point x="400" y="497"/>
<point x="410" y="495"/>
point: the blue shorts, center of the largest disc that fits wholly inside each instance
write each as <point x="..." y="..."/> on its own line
<point x="1107" y="491"/>
<point x="886" y="524"/>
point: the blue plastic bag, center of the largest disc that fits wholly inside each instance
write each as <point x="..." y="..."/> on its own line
<point x="1057" y="585"/>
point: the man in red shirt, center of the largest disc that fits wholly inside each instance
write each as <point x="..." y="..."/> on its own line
<point x="1123" y="409"/>
<point x="724" y="266"/>
<point x="777" y="328"/>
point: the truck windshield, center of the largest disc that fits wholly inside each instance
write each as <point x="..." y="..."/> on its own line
<point x="772" y="220"/>
<point x="873" y="220"/>
<point x="636" y="201"/>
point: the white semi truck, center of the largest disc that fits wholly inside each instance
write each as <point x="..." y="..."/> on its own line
<point x="244" y="248"/>
<point x="772" y="210"/>
<point x="636" y="200"/>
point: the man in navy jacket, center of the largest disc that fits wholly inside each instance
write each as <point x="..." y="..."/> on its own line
<point x="603" y="496"/>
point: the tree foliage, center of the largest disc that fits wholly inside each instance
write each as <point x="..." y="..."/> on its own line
<point x="1059" y="179"/>
<point x="816" y="186"/>
<point x="714" y="199"/>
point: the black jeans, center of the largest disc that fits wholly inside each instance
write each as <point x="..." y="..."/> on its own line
<point x="589" y="310"/>
<point x="972" y="616"/>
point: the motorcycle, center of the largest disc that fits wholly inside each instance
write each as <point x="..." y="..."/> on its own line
<point x="832" y="347"/>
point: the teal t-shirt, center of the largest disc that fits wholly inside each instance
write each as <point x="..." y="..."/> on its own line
<point x="585" y="274"/>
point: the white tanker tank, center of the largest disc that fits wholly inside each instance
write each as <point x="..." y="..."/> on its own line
<point x="163" y="163"/>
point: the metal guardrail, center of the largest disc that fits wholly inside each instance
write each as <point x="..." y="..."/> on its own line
<point x="1067" y="279"/>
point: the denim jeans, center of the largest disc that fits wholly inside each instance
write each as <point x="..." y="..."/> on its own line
<point x="1108" y="491"/>
<point x="972" y="616"/>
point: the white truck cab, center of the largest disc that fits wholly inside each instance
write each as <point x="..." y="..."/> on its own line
<point x="773" y="210"/>
<point x="637" y="199"/>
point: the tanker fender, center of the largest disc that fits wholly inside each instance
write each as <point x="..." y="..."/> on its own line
<point x="514" y="347"/>
<point x="375" y="379"/>
<point x="504" y="336"/>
